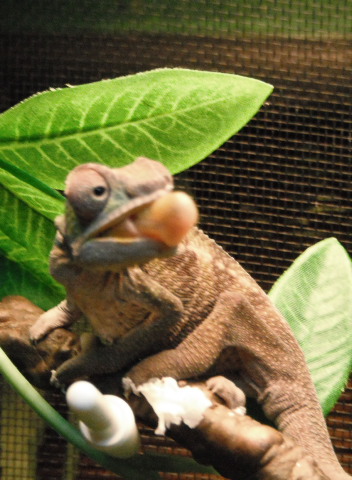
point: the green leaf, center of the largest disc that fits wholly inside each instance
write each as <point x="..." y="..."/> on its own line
<point x="34" y="193"/>
<point x="16" y="280"/>
<point x="26" y="238"/>
<point x="173" y="115"/>
<point x="314" y="295"/>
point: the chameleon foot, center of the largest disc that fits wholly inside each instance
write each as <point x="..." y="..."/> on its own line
<point x="233" y="397"/>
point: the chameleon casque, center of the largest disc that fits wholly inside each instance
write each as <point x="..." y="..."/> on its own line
<point x="163" y="308"/>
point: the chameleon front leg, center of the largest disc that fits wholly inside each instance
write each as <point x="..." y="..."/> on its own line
<point x="165" y="311"/>
<point x="105" y="359"/>
<point x="62" y="315"/>
<point x="195" y="355"/>
<point x="140" y="288"/>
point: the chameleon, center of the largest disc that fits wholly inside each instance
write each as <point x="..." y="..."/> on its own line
<point x="170" y="304"/>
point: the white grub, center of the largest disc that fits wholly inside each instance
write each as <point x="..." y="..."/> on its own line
<point x="171" y="403"/>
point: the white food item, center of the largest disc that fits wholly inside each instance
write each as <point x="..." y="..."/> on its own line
<point x="171" y="403"/>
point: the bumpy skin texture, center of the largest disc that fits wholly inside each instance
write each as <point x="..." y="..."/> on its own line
<point x="195" y="313"/>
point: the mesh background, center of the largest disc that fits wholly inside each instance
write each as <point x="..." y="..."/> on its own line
<point x="280" y="185"/>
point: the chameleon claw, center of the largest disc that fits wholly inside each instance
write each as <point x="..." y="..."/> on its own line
<point x="55" y="382"/>
<point x="240" y="410"/>
<point x="129" y="387"/>
<point x="233" y="397"/>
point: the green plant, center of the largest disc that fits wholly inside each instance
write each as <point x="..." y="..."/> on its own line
<point x="315" y="297"/>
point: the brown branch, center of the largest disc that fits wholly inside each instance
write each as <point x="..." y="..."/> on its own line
<point x="237" y="446"/>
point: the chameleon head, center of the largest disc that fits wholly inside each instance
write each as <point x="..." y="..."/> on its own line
<point x="126" y="204"/>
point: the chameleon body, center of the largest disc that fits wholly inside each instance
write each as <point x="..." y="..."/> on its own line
<point x="183" y="311"/>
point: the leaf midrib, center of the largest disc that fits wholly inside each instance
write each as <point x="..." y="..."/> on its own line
<point x="39" y="139"/>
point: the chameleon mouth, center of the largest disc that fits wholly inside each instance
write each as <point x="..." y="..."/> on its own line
<point x="118" y="222"/>
<point x="167" y="220"/>
<point x="124" y="231"/>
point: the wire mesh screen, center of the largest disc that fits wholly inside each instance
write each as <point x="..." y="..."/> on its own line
<point x="280" y="185"/>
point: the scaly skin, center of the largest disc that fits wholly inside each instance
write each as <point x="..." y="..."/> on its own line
<point x="185" y="313"/>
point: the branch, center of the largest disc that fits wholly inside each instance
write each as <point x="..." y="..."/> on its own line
<point x="236" y="445"/>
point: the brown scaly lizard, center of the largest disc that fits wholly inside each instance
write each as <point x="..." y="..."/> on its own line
<point x="163" y="306"/>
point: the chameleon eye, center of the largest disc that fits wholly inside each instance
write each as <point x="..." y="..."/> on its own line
<point x="99" y="191"/>
<point x="87" y="192"/>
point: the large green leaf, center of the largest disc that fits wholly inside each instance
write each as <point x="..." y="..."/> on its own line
<point x="35" y="194"/>
<point x="315" y="296"/>
<point x="173" y="115"/>
<point x="26" y="237"/>
<point x="16" y="280"/>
